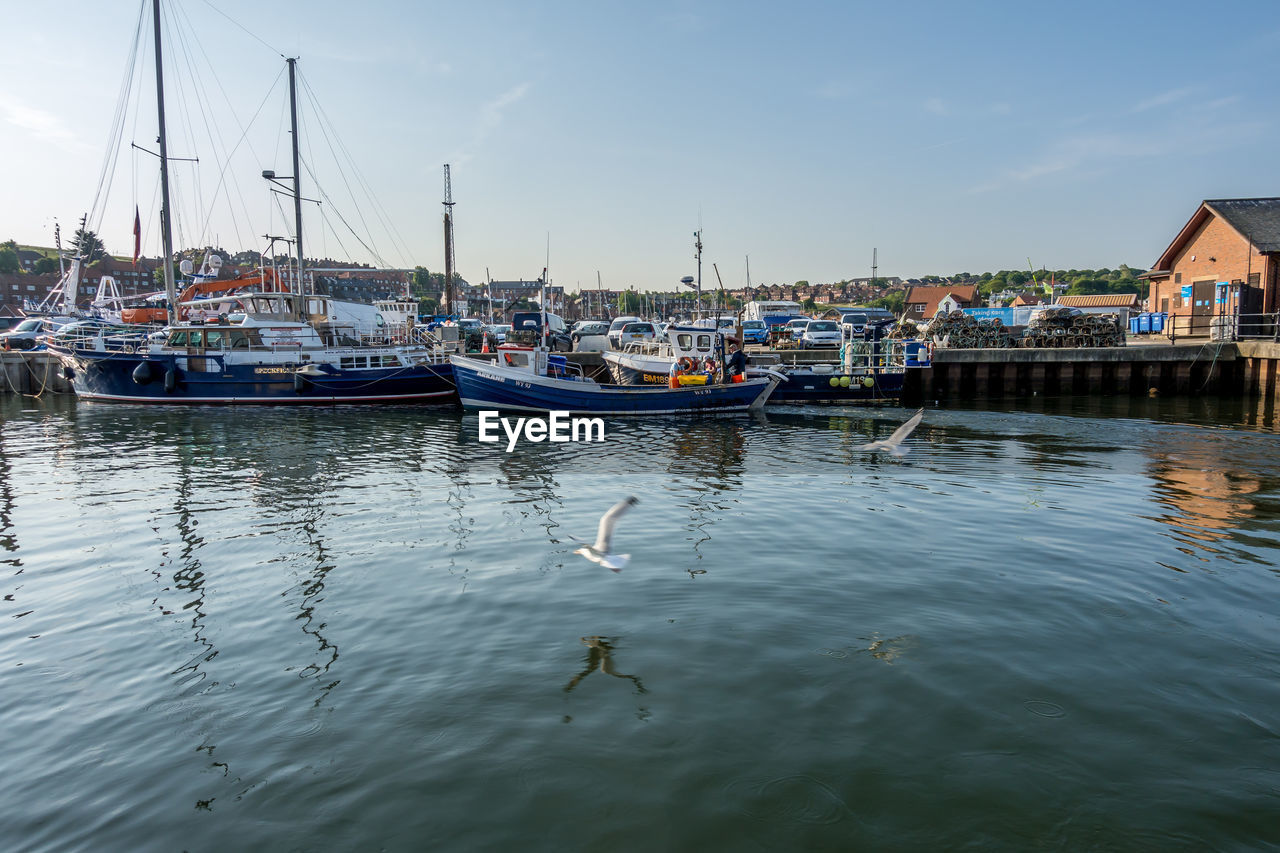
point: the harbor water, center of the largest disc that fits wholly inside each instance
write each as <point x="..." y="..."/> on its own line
<point x="1052" y="625"/>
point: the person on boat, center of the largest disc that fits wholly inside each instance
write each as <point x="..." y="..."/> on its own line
<point x="680" y="367"/>
<point x="736" y="364"/>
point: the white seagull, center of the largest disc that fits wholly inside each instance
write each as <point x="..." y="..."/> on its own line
<point x="893" y="444"/>
<point x="602" y="551"/>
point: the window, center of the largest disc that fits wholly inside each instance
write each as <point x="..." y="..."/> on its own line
<point x="1255" y="279"/>
<point x="1177" y="278"/>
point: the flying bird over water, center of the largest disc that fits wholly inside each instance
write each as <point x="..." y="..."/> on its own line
<point x="893" y="444"/>
<point x="602" y="551"/>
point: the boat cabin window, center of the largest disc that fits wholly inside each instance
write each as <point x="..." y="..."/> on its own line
<point x="213" y="338"/>
<point x="704" y="342"/>
<point x="684" y="340"/>
<point x="178" y="338"/>
<point x="244" y="338"/>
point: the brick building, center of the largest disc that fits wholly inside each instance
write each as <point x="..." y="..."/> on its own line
<point x="922" y="303"/>
<point x="1226" y="259"/>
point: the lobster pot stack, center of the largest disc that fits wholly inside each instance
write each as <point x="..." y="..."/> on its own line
<point x="905" y="330"/>
<point x="1066" y="327"/>
<point x="958" y="330"/>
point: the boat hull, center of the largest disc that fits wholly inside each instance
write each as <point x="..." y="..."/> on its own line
<point x="801" y="385"/>
<point x="482" y="385"/>
<point x="112" y="377"/>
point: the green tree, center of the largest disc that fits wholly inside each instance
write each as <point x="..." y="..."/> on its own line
<point x="421" y="284"/>
<point x="9" y="261"/>
<point x="88" y="246"/>
<point x="427" y="305"/>
<point x="801" y="284"/>
<point x="628" y="302"/>
<point x="894" y="302"/>
<point x="46" y="265"/>
<point x="809" y="303"/>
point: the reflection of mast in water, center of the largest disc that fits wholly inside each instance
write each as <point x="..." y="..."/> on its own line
<point x="710" y="453"/>
<point x="8" y="539"/>
<point x="536" y="492"/>
<point x="460" y="524"/>
<point x="312" y="594"/>
<point x="188" y="578"/>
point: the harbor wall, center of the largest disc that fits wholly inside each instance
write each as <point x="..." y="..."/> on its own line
<point x="1243" y="369"/>
<point x="32" y="373"/>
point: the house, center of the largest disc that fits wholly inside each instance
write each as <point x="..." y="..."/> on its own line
<point x="1226" y="259"/>
<point x="1025" y="299"/>
<point x="924" y="303"/>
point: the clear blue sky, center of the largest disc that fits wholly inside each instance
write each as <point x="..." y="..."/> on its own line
<point x="950" y="136"/>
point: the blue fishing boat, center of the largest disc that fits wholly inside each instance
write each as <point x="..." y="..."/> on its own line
<point x="252" y="352"/>
<point x="548" y="383"/>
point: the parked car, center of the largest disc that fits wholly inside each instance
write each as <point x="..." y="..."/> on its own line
<point x="524" y="322"/>
<point x="26" y="335"/>
<point x="859" y="318"/>
<point x="820" y="334"/>
<point x="615" y="329"/>
<point x="755" y="332"/>
<point x="590" y="337"/>
<point x="636" y="333"/>
<point x="499" y="331"/>
<point x="795" y="328"/>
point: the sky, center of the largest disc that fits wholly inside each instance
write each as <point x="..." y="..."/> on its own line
<point x="599" y="136"/>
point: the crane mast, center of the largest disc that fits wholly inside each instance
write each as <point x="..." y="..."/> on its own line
<point x="448" y="242"/>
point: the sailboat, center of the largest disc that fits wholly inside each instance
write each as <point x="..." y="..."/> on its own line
<point x="231" y="342"/>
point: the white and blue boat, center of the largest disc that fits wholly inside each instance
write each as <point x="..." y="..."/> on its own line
<point x="867" y="372"/>
<point x="254" y="351"/>
<point x="547" y="383"/>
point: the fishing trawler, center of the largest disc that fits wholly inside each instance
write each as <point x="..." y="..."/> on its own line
<point x="255" y="339"/>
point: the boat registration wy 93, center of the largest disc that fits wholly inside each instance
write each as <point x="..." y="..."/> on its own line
<point x="558" y="427"/>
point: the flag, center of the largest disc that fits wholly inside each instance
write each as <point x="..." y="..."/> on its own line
<point x="137" y="236"/>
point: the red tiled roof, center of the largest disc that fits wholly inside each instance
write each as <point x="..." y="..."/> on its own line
<point x="965" y="294"/>
<point x="1101" y="300"/>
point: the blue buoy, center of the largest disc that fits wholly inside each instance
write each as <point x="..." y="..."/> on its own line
<point x="171" y="380"/>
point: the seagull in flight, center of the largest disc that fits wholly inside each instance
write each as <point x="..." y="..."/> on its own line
<point x="893" y="444"/>
<point x="602" y="551"/>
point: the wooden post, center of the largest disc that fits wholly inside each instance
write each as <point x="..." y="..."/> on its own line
<point x="1095" y="378"/>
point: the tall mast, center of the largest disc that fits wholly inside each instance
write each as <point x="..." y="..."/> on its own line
<point x="297" y="176"/>
<point x="448" y="242"/>
<point x="166" y="262"/>
<point x="697" y="243"/>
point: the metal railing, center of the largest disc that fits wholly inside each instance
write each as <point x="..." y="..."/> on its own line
<point x="1224" y="327"/>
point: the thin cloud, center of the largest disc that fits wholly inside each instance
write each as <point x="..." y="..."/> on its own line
<point x="1164" y="99"/>
<point x="491" y="118"/>
<point x="935" y="106"/>
<point x="39" y="123"/>
<point x="491" y="113"/>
